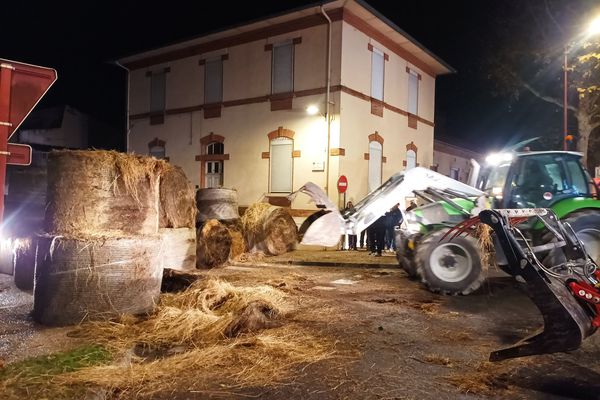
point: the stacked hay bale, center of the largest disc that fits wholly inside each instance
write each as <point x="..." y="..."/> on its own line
<point x="177" y="219"/>
<point x="103" y="252"/>
<point x="219" y="230"/>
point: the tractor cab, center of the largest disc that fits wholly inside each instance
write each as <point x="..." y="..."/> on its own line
<point x="534" y="179"/>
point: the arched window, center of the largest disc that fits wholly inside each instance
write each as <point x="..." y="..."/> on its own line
<point x="156" y="149"/>
<point x="375" y="160"/>
<point x="411" y="159"/>
<point x="281" y="149"/>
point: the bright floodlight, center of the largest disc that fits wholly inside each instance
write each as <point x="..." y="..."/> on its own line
<point x="497" y="158"/>
<point x="312" y="109"/>
<point x="594" y="27"/>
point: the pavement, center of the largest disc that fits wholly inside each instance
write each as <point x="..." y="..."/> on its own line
<point x="334" y="258"/>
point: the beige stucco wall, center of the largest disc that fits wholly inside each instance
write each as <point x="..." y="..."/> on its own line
<point x="356" y="73"/>
<point x="357" y="123"/>
<point x="245" y="130"/>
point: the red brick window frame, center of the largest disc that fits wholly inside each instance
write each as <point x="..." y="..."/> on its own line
<point x="157" y="149"/>
<point x="158" y="95"/>
<point x="282" y="100"/>
<point x="208" y="142"/>
<point x="411" y="153"/>
<point x="377" y="99"/>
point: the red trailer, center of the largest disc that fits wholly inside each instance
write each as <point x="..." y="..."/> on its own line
<point x="21" y="87"/>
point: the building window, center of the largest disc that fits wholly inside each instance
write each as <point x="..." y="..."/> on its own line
<point x="213" y="81"/>
<point x="157" y="91"/>
<point x="215" y="148"/>
<point x="375" y="161"/>
<point x="455" y="173"/>
<point x="214" y="168"/>
<point x="282" y="79"/>
<point x="411" y="159"/>
<point x="156" y="148"/>
<point x="413" y="92"/>
<point x="377" y="74"/>
<point x="281" y="165"/>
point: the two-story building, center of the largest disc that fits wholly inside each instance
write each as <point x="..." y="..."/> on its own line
<point x="309" y="95"/>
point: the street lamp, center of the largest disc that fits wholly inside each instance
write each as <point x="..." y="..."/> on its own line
<point x="592" y="30"/>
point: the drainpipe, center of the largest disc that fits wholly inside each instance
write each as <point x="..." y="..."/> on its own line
<point x="127" y="128"/>
<point x="327" y="98"/>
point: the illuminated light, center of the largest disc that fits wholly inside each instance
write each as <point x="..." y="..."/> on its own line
<point x="497" y="158"/>
<point x="496" y="191"/>
<point x="312" y="110"/>
<point x="594" y="26"/>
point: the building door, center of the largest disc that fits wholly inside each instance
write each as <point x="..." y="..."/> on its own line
<point x="411" y="159"/>
<point x="281" y="165"/>
<point x="375" y="150"/>
<point x="214" y="174"/>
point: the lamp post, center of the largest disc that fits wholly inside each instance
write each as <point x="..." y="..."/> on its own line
<point x="593" y="29"/>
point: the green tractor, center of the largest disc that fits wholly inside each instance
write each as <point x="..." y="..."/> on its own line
<point x="550" y="179"/>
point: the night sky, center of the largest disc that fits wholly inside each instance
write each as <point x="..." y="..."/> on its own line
<point x="80" y="39"/>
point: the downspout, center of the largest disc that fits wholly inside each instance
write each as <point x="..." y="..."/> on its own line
<point x="127" y="127"/>
<point x="327" y="93"/>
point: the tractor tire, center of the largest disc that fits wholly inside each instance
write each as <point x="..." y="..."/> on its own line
<point x="586" y="225"/>
<point x="450" y="267"/>
<point x="405" y="255"/>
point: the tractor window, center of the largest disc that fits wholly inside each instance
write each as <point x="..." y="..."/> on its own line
<point x="494" y="184"/>
<point x="538" y="180"/>
<point x="579" y="183"/>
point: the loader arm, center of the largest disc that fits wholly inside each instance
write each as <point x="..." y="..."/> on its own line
<point x="326" y="230"/>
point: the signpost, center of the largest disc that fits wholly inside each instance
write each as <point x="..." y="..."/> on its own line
<point x="342" y="186"/>
<point x="21" y="87"/>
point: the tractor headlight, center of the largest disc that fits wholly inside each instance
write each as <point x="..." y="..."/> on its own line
<point x="413" y="223"/>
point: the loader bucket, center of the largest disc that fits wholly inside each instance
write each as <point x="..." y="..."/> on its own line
<point x="567" y="322"/>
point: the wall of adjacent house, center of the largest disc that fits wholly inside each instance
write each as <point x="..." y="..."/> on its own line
<point x="72" y="133"/>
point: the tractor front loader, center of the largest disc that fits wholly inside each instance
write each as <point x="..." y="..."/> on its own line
<point x="567" y="293"/>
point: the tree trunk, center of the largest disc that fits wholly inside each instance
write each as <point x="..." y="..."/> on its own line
<point x="584" y="126"/>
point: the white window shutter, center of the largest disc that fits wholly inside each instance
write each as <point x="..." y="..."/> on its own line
<point x="377" y="72"/>
<point x="213" y="82"/>
<point x="411" y="159"/>
<point x="281" y="165"/>
<point x="283" y="68"/>
<point x="157" y="92"/>
<point x="375" y="159"/>
<point x="413" y="93"/>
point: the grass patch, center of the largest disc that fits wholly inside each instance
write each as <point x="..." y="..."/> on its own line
<point x="33" y="377"/>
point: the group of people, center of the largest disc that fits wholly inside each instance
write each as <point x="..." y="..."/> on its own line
<point x="379" y="236"/>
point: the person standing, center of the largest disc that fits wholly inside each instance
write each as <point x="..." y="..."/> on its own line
<point x="393" y="218"/>
<point x="351" y="238"/>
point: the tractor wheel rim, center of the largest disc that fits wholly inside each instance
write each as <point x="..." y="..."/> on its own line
<point x="591" y="241"/>
<point x="461" y="259"/>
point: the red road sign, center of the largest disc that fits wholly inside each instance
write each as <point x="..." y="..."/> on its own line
<point x="21" y="88"/>
<point x="28" y="84"/>
<point x="342" y="184"/>
<point x="19" y="154"/>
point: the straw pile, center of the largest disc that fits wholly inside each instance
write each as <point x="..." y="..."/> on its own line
<point x="102" y="193"/>
<point x="177" y="199"/>
<point x="269" y="229"/>
<point x="213" y="244"/>
<point x="210" y="338"/>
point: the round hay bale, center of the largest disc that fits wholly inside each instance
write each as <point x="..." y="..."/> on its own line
<point x="102" y="193"/>
<point x="238" y="244"/>
<point x="77" y="280"/>
<point x="213" y="203"/>
<point x="269" y="229"/>
<point x="24" y="256"/>
<point x="180" y="248"/>
<point x="177" y="199"/>
<point x="213" y="244"/>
